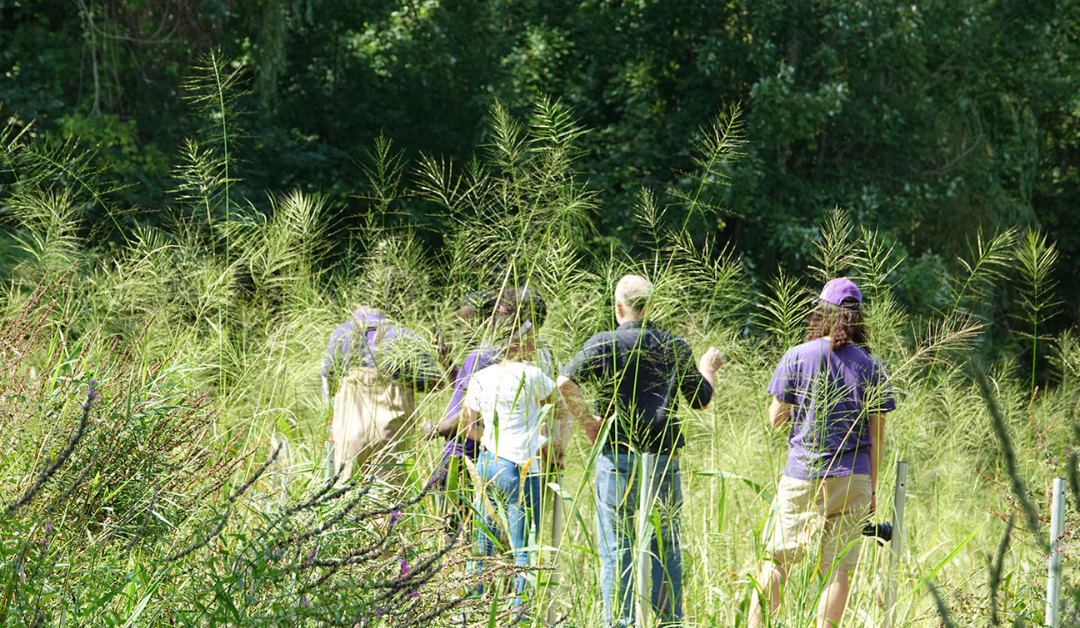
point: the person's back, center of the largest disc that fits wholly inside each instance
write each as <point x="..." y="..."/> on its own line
<point x="640" y="372"/>
<point x="488" y="353"/>
<point x="829" y="391"/>
<point x="373" y="369"/>
<point x="508" y="397"/>
<point x="477" y="360"/>
<point x="370" y="339"/>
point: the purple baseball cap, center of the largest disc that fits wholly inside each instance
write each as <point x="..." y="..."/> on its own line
<point x="839" y="289"/>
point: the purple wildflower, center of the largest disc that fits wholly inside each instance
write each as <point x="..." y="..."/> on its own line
<point x="395" y="518"/>
<point x="406" y="569"/>
<point x="91" y="394"/>
<point x="310" y="557"/>
<point x="305" y="602"/>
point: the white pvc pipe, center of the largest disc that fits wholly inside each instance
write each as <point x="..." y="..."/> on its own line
<point x="557" y="527"/>
<point x="644" y="537"/>
<point x="1053" y="577"/>
<point x="899" y="495"/>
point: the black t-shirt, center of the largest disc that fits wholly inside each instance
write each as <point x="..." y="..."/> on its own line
<point x="639" y="371"/>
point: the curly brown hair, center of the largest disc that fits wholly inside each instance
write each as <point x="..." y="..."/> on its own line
<point x="841" y="324"/>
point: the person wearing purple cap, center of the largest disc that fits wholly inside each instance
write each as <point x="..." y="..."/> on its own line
<point x="834" y="394"/>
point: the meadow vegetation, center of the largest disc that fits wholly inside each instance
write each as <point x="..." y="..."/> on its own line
<point x="163" y="428"/>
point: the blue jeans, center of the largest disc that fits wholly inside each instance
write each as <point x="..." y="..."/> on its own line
<point x="517" y="498"/>
<point x="617" y="495"/>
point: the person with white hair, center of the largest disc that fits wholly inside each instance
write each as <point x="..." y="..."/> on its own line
<point x="639" y="372"/>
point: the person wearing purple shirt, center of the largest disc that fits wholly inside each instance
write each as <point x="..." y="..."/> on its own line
<point x="373" y="369"/>
<point x="477" y="360"/>
<point x="834" y="394"/>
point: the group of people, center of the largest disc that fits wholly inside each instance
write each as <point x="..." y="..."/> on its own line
<point x="512" y="413"/>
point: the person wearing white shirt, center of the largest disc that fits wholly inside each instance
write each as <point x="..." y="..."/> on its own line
<point x="507" y="407"/>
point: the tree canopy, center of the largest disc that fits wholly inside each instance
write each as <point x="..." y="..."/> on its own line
<point x="931" y="122"/>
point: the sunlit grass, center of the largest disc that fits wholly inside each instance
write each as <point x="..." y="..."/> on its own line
<point x="239" y="306"/>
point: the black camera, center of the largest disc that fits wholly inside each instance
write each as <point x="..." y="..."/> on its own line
<point x="880" y="531"/>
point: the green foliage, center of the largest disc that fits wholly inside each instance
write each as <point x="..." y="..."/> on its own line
<point x="121" y="506"/>
<point x="928" y="123"/>
<point x="205" y="331"/>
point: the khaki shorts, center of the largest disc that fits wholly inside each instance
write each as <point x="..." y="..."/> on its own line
<point x="823" y="518"/>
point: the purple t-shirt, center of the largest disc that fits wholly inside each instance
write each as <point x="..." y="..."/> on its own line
<point x="383" y="345"/>
<point x="832" y="394"/>
<point x="477" y="360"/>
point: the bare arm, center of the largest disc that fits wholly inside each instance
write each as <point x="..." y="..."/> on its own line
<point x="472" y="426"/>
<point x="710" y="362"/>
<point x="575" y="407"/>
<point x="557" y="430"/>
<point x="692" y="382"/>
<point x="450" y="426"/>
<point x="561" y="423"/>
<point x="779" y="412"/>
<point x="877" y="440"/>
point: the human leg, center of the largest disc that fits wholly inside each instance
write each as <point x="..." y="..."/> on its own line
<point x="518" y="499"/>
<point x="499" y="492"/>
<point x="833" y="600"/>
<point x="796" y="522"/>
<point x="615" y="537"/>
<point x="769" y="582"/>
<point x="453" y="492"/>
<point x="667" y="571"/>
<point x="847" y="505"/>
<point x="523" y="517"/>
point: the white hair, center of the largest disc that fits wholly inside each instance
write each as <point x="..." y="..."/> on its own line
<point x="634" y="292"/>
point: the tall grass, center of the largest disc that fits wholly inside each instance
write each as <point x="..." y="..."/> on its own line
<point x="194" y="491"/>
